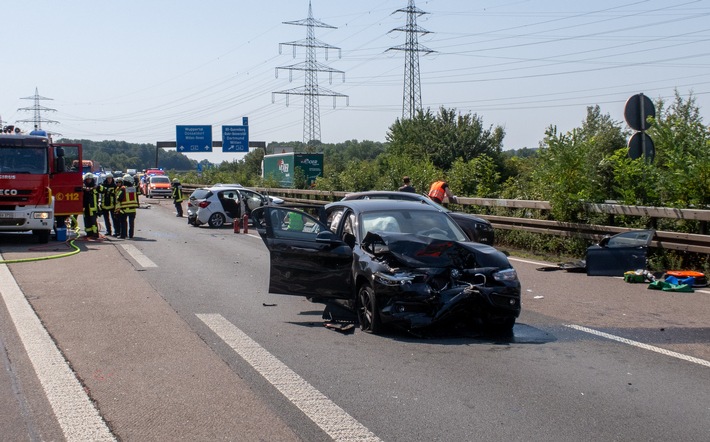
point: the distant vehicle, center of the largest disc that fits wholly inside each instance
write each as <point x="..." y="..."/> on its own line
<point x="391" y="262"/>
<point x="150" y="172"/>
<point x="158" y="185"/>
<point x="220" y="205"/>
<point x="131" y="172"/>
<point x="476" y="228"/>
<point x="87" y="166"/>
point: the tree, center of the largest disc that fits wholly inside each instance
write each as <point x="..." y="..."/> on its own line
<point x="444" y="138"/>
<point x="682" y="153"/>
<point x="576" y="167"/>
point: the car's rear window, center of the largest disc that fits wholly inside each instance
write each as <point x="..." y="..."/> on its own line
<point x="199" y="194"/>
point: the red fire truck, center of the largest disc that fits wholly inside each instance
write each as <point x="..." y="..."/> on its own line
<point x="36" y="186"/>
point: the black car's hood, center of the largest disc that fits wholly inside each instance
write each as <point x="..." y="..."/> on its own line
<point x="416" y="251"/>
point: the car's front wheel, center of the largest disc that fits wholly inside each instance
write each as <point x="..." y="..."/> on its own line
<point x="501" y="325"/>
<point x="42" y="235"/>
<point x="367" y="313"/>
<point x="216" y="220"/>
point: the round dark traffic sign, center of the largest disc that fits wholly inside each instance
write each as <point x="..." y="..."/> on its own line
<point x="636" y="146"/>
<point x="637" y="110"/>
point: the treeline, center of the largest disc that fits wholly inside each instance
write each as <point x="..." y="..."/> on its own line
<point x="119" y="155"/>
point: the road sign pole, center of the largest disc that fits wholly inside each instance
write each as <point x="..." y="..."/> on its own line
<point x="643" y="129"/>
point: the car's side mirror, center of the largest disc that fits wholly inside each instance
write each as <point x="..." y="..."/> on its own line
<point x="604" y="241"/>
<point x="327" y="236"/>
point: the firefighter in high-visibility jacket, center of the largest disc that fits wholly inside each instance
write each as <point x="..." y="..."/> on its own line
<point x="107" y="190"/>
<point x="91" y="206"/>
<point x="126" y="205"/>
<point x="178" y="198"/>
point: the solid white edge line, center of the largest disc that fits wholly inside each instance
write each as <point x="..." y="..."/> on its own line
<point x="75" y="413"/>
<point x="530" y="262"/>
<point x="332" y="419"/>
<point x="662" y="351"/>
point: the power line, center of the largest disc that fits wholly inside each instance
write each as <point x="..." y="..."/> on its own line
<point x="412" y="97"/>
<point x="311" y="67"/>
<point x="37" y="109"/>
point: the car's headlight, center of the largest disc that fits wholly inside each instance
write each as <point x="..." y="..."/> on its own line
<point x="393" y="279"/>
<point x="41" y="215"/>
<point x="506" y="275"/>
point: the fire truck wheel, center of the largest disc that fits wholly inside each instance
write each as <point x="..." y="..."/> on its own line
<point x="42" y="236"/>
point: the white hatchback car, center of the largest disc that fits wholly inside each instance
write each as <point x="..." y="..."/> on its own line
<point x="220" y="205"/>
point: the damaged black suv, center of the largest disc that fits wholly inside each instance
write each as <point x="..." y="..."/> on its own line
<point x="392" y="262"/>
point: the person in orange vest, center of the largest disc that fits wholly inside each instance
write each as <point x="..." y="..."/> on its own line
<point x="439" y="190"/>
<point x="126" y="205"/>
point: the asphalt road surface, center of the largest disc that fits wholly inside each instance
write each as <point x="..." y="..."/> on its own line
<point x="174" y="336"/>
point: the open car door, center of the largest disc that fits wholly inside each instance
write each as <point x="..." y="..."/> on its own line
<point x="306" y="258"/>
<point x="620" y="253"/>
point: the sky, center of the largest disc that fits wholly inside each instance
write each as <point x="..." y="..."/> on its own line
<point x="134" y="70"/>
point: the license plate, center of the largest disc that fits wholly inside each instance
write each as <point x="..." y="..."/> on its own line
<point x="6" y="215"/>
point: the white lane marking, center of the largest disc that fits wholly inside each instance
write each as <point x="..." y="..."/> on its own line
<point x="77" y="416"/>
<point x="662" y="351"/>
<point x="531" y="262"/>
<point x="332" y="419"/>
<point x="136" y="254"/>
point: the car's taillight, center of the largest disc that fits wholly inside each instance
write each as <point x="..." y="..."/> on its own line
<point x="204" y="204"/>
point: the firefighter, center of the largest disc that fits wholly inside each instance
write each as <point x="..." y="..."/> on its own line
<point x="177" y="197"/>
<point x="126" y="205"/>
<point x="91" y="206"/>
<point x="107" y="190"/>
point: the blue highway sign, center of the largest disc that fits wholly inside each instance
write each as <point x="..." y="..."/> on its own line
<point x="194" y="138"/>
<point x="235" y="138"/>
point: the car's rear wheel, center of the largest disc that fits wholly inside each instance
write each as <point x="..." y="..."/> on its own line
<point x="367" y="313"/>
<point x="216" y="220"/>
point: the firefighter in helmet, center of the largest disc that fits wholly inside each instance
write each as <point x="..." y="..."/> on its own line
<point x="107" y="190"/>
<point x="91" y="205"/>
<point x="126" y="205"/>
<point x="177" y="197"/>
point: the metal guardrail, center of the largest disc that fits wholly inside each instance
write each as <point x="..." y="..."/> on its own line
<point x="687" y="242"/>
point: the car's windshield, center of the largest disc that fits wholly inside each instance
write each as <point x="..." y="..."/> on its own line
<point x="426" y="223"/>
<point x="23" y="159"/>
<point x="160" y="179"/>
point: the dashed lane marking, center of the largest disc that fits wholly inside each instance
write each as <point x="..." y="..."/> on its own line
<point x="77" y="417"/>
<point x="332" y="419"/>
<point x="662" y="351"/>
<point x="138" y="256"/>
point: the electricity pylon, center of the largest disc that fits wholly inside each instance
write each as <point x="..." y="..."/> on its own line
<point x="310" y="91"/>
<point x="37" y="109"/>
<point x="412" y="97"/>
